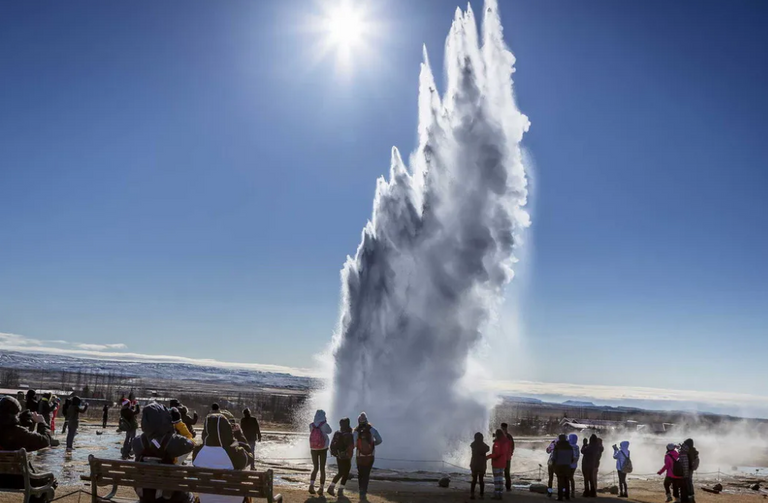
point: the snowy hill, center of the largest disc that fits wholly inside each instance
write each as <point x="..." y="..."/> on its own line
<point x="153" y="370"/>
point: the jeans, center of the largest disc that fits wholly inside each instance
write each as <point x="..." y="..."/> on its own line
<point x="252" y="445"/>
<point x="622" y="483"/>
<point x="674" y="484"/>
<point x="71" y="432"/>
<point x="127" y="449"/>
<point x="319" y="457"/>
<point x="364" y="468"/>
<point x="563" y="481"/>
<point x="478" y="478"/>
<point x="345" y="465"/>
<point x="498" y="482"/>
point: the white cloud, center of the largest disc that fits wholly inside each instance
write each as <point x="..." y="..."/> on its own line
<point x="100" y="347"/>
<point x="18" y="340"/>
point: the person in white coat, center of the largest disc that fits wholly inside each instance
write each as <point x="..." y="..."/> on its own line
<point x="319" y="440"/>
<point x="220" y="450"/>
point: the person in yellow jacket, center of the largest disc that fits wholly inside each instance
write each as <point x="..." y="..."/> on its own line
<point x="179" y="425"/>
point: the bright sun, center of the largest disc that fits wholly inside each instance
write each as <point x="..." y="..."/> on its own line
<point x="345" y="25"/>
<point x="346" y="30"/>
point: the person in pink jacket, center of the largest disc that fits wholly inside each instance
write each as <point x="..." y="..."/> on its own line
<point x="671" y="480"/>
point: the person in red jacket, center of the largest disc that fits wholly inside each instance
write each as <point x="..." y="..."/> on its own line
<point x="498" y="457"/>
<point x="671" y="480"/>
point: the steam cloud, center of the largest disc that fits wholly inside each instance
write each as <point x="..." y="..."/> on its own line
<point x="437" y="253"/>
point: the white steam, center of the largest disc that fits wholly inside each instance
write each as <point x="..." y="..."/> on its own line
<point x="437" y="253"/>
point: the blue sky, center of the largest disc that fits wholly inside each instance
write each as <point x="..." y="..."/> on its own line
<point x="187" y="178"/>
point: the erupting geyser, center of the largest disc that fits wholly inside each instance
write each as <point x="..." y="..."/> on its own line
<point x="437" y="253"/>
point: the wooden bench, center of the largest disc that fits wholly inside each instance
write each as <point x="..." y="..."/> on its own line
<point x="242" y="483"/>
<point x="16" y="463"/>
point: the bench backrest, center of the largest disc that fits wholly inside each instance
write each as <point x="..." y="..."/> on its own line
<point x="181" y="478"/>
<point x="13" y="462"/>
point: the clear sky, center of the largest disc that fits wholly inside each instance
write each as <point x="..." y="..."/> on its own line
<point x="187" y="177"/>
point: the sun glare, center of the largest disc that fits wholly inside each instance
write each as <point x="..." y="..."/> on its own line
<point x="346" y="30"/>
<point x="345" y="25"/>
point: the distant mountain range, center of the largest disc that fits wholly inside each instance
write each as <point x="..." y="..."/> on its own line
<point x="154" y="370"/>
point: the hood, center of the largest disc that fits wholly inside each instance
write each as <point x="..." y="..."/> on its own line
<point x="478" y="437"/>
<point x="156" y="421"/>
<point x="344" y="425"/>
<point x="593" y="439"/>
<point x="362" y="418"/>
<point x="217" y="431"/>
<point x="573" y="439"/>
<point x="562" y="438"/>
<point x="319" y="417"/>
<point x="689" y="443"/>
<point x="9" y="411"/>
<point x="31" y="394"/>
<point x="624" y="447"/>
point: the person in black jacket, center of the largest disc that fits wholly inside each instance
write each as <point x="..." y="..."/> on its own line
<point x="478" y="464"/>
<point x="590" y="461"/>
<point x="159" y="443"/>
<point x="76" y="407"/>
<point x="45" y="407"/>
<point x="32" y="403"/>
<point x="129" y="423"/>
<point x="15" y="435"/>
<point x="563" y="457"/>
<point x="250" y="427"/>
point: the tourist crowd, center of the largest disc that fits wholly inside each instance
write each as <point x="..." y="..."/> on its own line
<point x="168" y="436"/>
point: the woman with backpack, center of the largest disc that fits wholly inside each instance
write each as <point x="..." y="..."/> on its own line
<point x="366" y="439"/>
<point x="319" y="429"/>
<point x="689" y="461"/>
<point x="673" y="471"/>
<point x="342" y="448"/>
<point x="623" y="466"/>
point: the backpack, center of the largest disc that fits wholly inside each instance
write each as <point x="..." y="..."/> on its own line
<point x="627" y="466"/>
<point x="317" y="437"/>
<point x="365" y="445"/>
<point x="693" y="459"/>
<point x="677" y="467"/>
<point x="341" y="447"/>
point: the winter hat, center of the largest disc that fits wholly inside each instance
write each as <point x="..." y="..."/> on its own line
<point x="362" y="418"/>
<point x="689" y="443"/>
<point x="175" y="415"/>
<point x="671" y="447"/>
<point x="9" y="406"/>
<point x="215" y="407"/>
<point x="344" y="424"/>
<point x="478" y="437"/>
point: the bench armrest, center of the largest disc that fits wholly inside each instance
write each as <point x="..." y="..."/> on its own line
<point x="40" y="476"/>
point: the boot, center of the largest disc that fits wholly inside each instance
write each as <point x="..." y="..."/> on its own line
<point x="312" y="487"/>
<point x="332" y="490"/>
<point x="341" y="492"/>
<point x="320" y="491"/>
